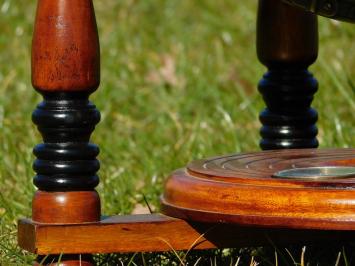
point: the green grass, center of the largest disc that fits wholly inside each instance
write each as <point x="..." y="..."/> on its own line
<point x="178" y="83"/>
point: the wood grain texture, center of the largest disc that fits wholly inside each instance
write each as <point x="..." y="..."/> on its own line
<point x="66" y="207"/>
<point x="240" y="189"/>
<point x="65" y="48"/>
<point x="156" y="232"/>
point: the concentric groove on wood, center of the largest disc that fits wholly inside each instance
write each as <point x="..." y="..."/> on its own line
<point x="262" y="165"/>
<point x="241" y="189"/>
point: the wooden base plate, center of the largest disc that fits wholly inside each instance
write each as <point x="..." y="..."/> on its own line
<point x="241" y="189"/>
<point x="156" y="232"/>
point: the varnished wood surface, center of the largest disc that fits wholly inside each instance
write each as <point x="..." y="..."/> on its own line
<point x="65" y="48"/>
<point x="240" y="189"/>
<point x="66" y="70"/>
<point x="66" y="207"/>
<point x="155" y="232"/>
<point x="114" y="234"/>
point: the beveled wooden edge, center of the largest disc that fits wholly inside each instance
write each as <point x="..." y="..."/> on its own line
<point x="239" y="189"/>
<point x="301" y="223"/>
<point x="153" y="233"/>
<point x="129" y="233"/>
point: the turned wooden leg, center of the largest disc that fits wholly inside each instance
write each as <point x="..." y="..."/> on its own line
<point x="287" y="43"/>
<point x="65" y="260"/>
<point x="66" y="70"/>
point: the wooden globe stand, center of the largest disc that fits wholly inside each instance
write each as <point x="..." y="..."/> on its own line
<point x="227" y="201"/>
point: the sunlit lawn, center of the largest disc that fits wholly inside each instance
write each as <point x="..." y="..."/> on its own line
<point x="178" y="83"/>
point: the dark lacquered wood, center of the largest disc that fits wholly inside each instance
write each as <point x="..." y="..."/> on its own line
<point x="339" y="9"/>
<point x="240" y="189"/>
<point x="66" y="161"/>
<point x="65" y="70"/>
<point x="287" y="43"/>
<point x="151" y="233"/>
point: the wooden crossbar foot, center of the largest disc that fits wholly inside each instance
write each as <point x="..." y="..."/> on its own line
<point x="156" y="232"/>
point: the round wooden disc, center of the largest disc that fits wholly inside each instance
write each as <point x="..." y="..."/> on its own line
<point x="241" y="189"/>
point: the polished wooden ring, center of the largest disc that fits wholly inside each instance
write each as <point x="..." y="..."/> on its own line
<point x="241" y="189"/>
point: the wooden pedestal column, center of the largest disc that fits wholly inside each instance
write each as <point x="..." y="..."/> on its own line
<point x="287" y="43"/>
<point x="65" y="70"/>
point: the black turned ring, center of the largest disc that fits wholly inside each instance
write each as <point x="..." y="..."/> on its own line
<point x="66" y="161"/>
